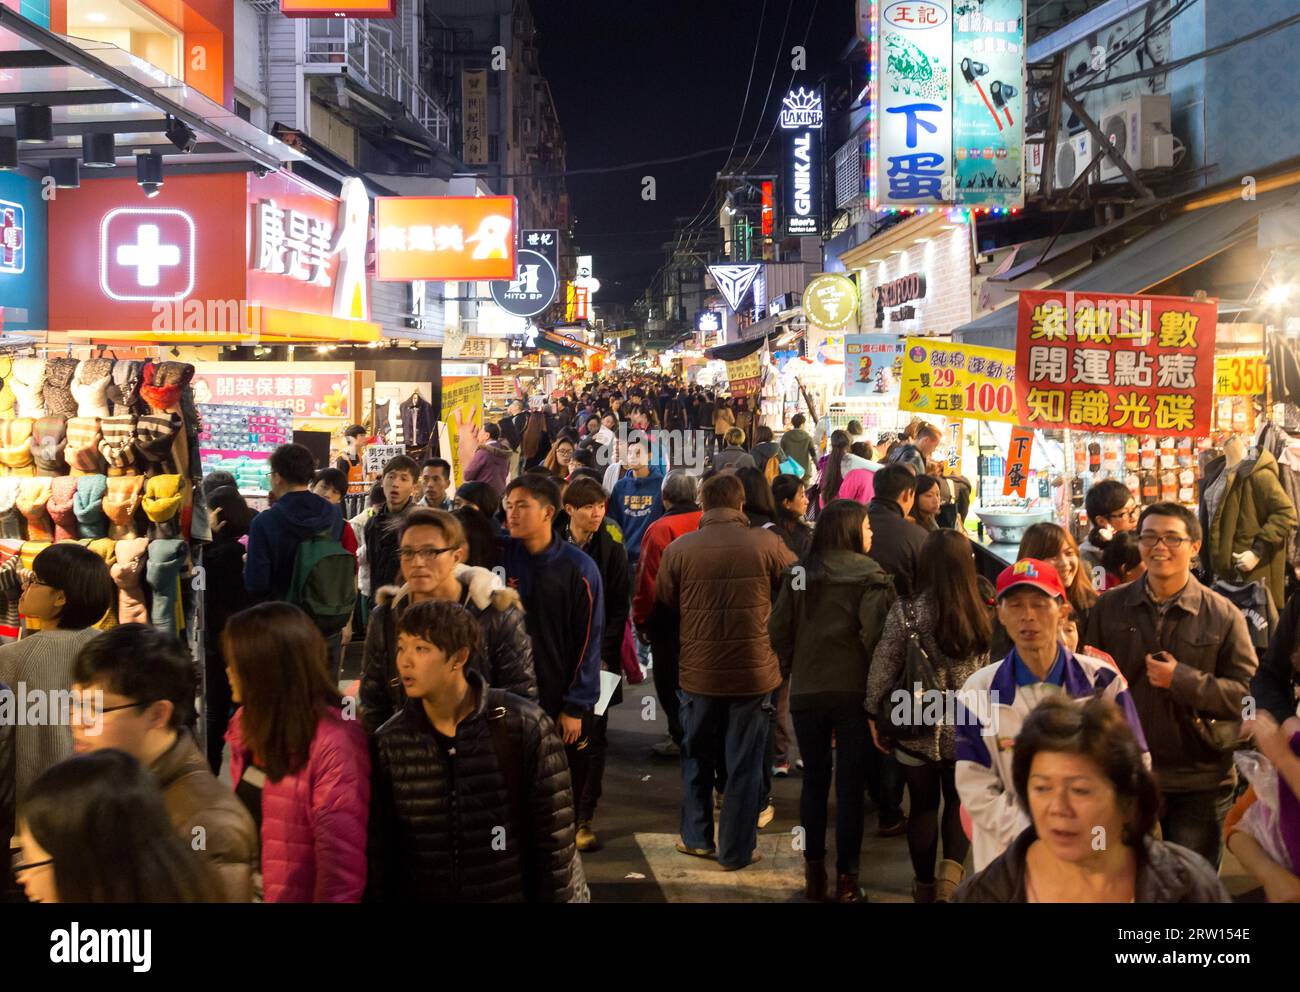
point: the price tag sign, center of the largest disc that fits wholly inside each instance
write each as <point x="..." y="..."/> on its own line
<point x="1240" y="375"/>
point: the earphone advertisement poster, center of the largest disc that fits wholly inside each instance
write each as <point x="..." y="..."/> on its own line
<point x="988" y="115"/>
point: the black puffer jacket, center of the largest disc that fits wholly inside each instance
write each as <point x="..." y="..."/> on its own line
<point x="504" y="658"/>
<point x="436" y="816"/>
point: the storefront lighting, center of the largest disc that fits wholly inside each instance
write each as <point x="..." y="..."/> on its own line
<point x="33" y="124"/>
<point x="98" y="151"/>
<point x="1277" y="295"/>
<point x="149" y="173"/>
<point x="66" y="173"/>
<point x="181" y="135"/>
<point x="8" y="153"/>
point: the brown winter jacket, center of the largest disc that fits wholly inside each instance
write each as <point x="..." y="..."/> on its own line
<point x="722" y="579"/>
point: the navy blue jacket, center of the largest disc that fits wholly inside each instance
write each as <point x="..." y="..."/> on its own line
<point x="274" y="536"/>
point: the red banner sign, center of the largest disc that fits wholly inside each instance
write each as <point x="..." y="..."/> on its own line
<point x="1116" y="364"/>
<point x="1018" y="452"/>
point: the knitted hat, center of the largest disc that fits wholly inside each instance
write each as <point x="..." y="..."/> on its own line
<point x="166" y="559"/>
<point x="117" y="441"/>
<point x="128" y="572"/>
<point x="12" y="524"/>
<point x="58" y="387"/>
<point x="62" y="493"/>
<point x="124" y="391"/>
<point x="49" y="439"/>
<point x="120" y="503"/>
<point x="105" y="547"/>
<point x="82" y="452"/>
<point x="28" y="382"/>
<point x="33" y="495"/>
<point x="30" y="550"/>
<point x="16" y="446"/>
<point x="89" y="505"/>
<point x="163" y="495"/>
<point x="162" y="384"/>
<point x="90" y="387"/>
<point x="7" y="398"/>
<point x="155" y="433"/>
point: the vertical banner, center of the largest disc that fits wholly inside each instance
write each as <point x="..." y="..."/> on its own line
<point x="1018" y="452"/>
<point x="912" y="63"/>
<point x="956" y="430"/>
<point x="801" y="170"/>
<point x="462" y="412"/>
<point x="474" y="116"/>
<point x="988" y="58"/>
<point x="1116" y="364"/>
<point x="873" y="366"/>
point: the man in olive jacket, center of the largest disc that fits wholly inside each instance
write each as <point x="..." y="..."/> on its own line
<point x="721" y="578"/>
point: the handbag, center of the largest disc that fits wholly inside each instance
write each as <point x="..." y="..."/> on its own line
<point x="900" y="712"/>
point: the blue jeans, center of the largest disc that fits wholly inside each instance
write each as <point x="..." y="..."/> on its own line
<point x="1195" y="820"/>
<point x="745" y="747"/>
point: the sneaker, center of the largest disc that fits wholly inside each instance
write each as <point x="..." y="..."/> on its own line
<point x="767" y="816"/>
<point x="695" y="852"/>
<point x="781" y="769"/>
<point x="798" y="763"/>
<point x="666" y="748"/>
<point x="895" y="829"/>
<point x="586" y="839"/>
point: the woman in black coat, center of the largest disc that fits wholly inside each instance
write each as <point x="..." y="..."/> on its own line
<point x="224" y="596"/>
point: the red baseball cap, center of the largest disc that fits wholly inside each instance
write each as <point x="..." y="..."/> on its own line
<point x="1031" y="572"/>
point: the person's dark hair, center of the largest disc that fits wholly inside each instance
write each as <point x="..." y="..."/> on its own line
<point x="839" y="528"/>
<point x="401" y="463"/>
<point x="1104" y="498"/>
<point x="930" y="431"/>
<point x="762" y="434"/>
<point x="480" y="494"/>
<point x="355" y="430"/>
<point x="441" y="464"/>
<point x="584" y="455"/>
<point x="679" y="488"/>
<point x="449" y="626"/>
<point x="758" y="494"/>
<point x="595" y="474"/>
<point x="784" y="488"/>
<point x="854" y="428"/>
<point x="924" y="483"/>
<point x="333" y="478"/>
<point x="279" y="657"/>
<point x="834" y="475"/>
<point x="1175" y="510"/>
<point x="861" y="449"/>
<point x="1121" y="554"/>
<point x="294" y="464"/>
<point x="1045" y="541"/>
<point x="543" y="488"/>
<point x="376" y="497"/>
<point x="722" y="491"/>
<point x="82" y="577"/>
<point x="797" y="421"/>
<point x="584" y="492"/>
<point x="100" y="816"/>
<point x="493" y="432"/>
<point x="1095" y="730"/>
<point x="946" y="573"/>
<point x="892" y="481"/>
<point x="236" y="514"/>
<point x="480" y="537"/>
<point x="534" y="434"/>
<point x="144" y="664"/>
<point x="215" y="480"/>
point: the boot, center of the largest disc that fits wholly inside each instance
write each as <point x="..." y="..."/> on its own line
<point x="947" y="879"/>
<point x="815" y="881"/>
<point x="923" y="892"/>
<point x="846" y="890"/>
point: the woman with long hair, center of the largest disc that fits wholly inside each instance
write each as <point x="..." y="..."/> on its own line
<point x="300" y="765"/>
<point x="559" y="460"/>
<point x="535" y="443"/>
<point x="1055" y="545"/>
<point x="925" y="509"/>
<point x="950" y="619"/>
<point x="824" y="627"/>
<point x="839" y="463"/>
<point x="791" y="499"/>
<point x="94" y="830"/>
<point x="759" y="505"/>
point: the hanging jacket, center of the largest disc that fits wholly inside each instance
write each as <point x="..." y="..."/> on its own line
<point x="504" y="658"/>
<point x="1256" y="515"/>
<point x="314" y="819"/>
<point x="1256" y="604"/>
<point x="437" y="814"/>
<point x="417" y="421"/>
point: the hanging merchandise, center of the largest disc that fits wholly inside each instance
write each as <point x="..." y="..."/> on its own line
<point x="57" y="393"/>
<point x="90" y="387"/>
<point x="28" y="381"/>
<point x="417" y="421"/>
<point x="128" y="573"/>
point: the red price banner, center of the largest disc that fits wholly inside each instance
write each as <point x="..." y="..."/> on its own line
<point x="1117" y="364"/>
<point x="1240" y="375"/>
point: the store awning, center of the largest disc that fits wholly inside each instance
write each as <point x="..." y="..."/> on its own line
<point x="1188" y="239"/>
<point x="92" y="87"/>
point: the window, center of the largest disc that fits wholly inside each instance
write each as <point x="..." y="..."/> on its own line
<point x="243" y="111"/>
<point x="848" y="172"/>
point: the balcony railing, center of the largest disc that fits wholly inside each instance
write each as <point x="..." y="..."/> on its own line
<point x="368" y="53"/>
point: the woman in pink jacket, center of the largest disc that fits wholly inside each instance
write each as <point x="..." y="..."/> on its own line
<point x="300" y="765"/>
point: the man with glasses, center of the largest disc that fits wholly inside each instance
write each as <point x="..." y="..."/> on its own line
<point x="1187" y="654"/>
<point x="995" y="700"/>
<point x="137" y="687"/>
<point x="1111" y="510"/>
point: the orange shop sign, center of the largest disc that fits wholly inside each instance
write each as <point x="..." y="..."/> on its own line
<point x="469" y="238"/>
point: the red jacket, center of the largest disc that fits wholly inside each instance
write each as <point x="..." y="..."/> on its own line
<point x="314" y="820"/>
<point x="661" y="533"/>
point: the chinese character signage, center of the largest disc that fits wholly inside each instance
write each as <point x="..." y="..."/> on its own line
<point x="309" y="389"/>
<point x="958" y="380"/>
<point x="801" y="133"/>
<point x="873" y="366"/>
<point x="474" y="115"/>
<point x="289" y="242"/>
<point x="469" y="238"/>
<point x="988" y="54"/>
<point x="1240" y="375"/>
<point x="1018" y="452"/>
<point x="544" y="243"/>
<point x="830" y="301"/>
<point x="1118" y="364"/>
<point x="462" y="412"/>
<point x="338" y="8"/>
<point x="913" y="71"/>
<point x="746" y="375"/>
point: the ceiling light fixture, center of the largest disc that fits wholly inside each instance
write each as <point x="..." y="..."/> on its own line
<point x="33" y="124"/>
<point x="181" y="135"/>
<point x="66" y="173"/>
<point x="149" y="172"/>
<point x="98" y="151"/>
<point x="8" y="153"/>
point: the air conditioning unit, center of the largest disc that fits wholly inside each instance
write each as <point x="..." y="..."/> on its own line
<point x="1074" y="153"/>
<point x="1140" y="128"/>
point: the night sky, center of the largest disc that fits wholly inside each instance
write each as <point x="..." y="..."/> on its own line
<point x="636" y="80"/>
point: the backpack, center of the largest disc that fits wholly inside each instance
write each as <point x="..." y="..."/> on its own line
<point x="324" y="583"/>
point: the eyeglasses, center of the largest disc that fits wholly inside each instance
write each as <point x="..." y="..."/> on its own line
<point x="415" y="554"/>
<point x="1132" y="513"/>
<point x="1172" y="542"/>
<point x="90" y="712"/>
<point x="16" y="863"/>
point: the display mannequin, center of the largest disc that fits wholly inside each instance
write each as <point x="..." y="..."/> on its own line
<point x="1247" y="518"/>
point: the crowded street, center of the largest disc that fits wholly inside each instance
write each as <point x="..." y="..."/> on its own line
<point x="780" y="453"/>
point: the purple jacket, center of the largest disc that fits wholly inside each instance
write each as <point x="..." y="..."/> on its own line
<point x="490" y="464"/>
<point x="314" y="820"/>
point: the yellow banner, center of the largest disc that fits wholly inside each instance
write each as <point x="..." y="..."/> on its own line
<point x="462" y="412"/>
<point x="1240" y="375"/>
<point x="944" y="379"/>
